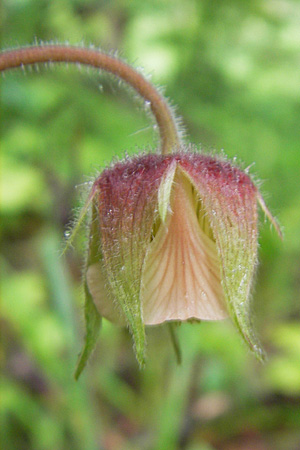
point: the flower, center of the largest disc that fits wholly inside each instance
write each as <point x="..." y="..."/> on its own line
<point x="173" y="237"/>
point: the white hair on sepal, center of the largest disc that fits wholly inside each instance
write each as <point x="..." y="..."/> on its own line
<point x="80" y="216"/>
<point x="269" y="215"/>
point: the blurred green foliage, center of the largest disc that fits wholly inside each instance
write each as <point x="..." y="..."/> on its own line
<point x="232" y="69"/>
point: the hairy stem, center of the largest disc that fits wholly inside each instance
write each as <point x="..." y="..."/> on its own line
<point x="58" y="53"/>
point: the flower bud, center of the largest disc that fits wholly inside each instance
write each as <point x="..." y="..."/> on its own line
<point x="172" y="238"/>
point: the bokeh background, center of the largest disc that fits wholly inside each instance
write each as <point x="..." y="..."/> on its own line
<point x="233" y="70"/>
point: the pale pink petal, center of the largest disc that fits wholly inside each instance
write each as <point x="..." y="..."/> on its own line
<point x="181" y="276"/>
<point x="96" y="285"/>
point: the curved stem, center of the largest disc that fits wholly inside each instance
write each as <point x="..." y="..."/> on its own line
<point x="58" y="53"/>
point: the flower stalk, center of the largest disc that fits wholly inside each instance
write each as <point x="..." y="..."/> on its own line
<point x="169" y="136"/>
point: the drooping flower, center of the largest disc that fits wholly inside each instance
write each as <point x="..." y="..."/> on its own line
<point x="173" y="237"/>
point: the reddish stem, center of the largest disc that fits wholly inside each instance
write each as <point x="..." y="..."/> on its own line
<point x="58" y="53"/>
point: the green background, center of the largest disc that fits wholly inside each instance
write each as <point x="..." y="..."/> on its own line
<point x="232" y="70"/>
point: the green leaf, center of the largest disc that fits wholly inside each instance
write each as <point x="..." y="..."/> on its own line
<point x="175" y="342"/>
<point x="93" y="322"/>
<point x="92" y="317"/>
<point x="164" y="192"/>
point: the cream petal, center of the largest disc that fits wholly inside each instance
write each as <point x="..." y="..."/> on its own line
<point x="96" y="285"/>
<point x="181" y="276"/>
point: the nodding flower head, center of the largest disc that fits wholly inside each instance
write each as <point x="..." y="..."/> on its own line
<point x="173" y="237"/>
